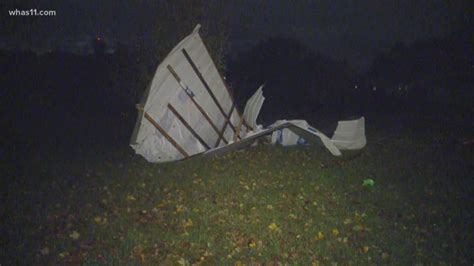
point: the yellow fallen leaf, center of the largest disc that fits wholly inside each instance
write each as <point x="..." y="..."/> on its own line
<point x="335" y="231"/>
<point x="63" y="254"/>
<point x="252" y="244"/>
<point x="161" y="205"/>
<point x="188" y="223"/>
<point x="180" y="209"/>
<point x="75" y="235"/>
<point x="238" y="263"/>
<point x="99" y="220"/>
<point x="365" y="249"/>
<point x="131" y="198"/>
<point x="272" y="227"/>
<point x="320" y="236"/>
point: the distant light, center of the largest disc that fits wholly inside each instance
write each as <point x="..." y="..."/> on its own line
<point x="374" y="88"/>
<point x="98" y="39"/>
<point x="355" y="87"/>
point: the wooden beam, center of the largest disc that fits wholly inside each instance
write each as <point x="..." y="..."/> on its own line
<point x="227" y="117"/>
<point x="175" y="75"/>
<point x="200" y="76"/>
<point x="196" y="135"/>
<point x="198" y="106"/>
<point x="166" y="135"/>
<point x="229" y="91"/>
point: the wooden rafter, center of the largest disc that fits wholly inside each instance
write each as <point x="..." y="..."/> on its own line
<point x="198" y="106"/>
<point x="227" y="121"/>
<point x="166" y="135"/>
<point x="183" y="121"/>
<point x="206" y="85"/>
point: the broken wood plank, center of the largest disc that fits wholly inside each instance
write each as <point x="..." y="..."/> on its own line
<point x="166" y="135"/>
<point x="183" y="121"/>
<point x="229" y="91"/>
<point x="206" y="85"/>
<point x="198" y="106"/>
<point x="225" y="125"/>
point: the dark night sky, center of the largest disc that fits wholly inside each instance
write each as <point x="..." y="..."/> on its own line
<point x="351" y="30"/>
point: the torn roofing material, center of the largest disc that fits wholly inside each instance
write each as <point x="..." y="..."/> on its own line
<point x="252" y="109"/>
<point x="350" y="135"/>
<point x="188" y="110"/>
<point x="309" y="133"/>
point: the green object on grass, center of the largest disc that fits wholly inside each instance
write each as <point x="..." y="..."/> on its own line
<point x="368" y="182"/>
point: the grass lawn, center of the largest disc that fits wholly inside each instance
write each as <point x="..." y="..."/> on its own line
<point x="266" y="204"/>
